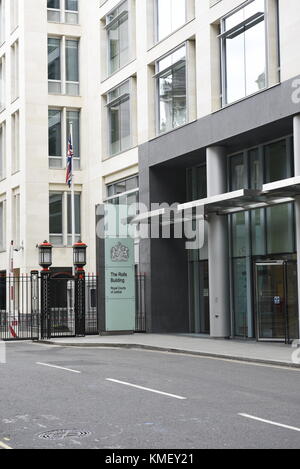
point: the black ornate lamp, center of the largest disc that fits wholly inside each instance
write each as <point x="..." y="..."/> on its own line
<point x="45" y="255"/>
<point x="79" y="255"/>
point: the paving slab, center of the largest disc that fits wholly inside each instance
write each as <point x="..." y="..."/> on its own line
<point x="249" y="351"/>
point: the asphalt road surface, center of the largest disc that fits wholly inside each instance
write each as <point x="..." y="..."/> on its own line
<point x="56" y="397"/>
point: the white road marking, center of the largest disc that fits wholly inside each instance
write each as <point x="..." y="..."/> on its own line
<point x="4" y="446"/>
<point x="58" y="367"/>
<point x="276" y="424"/>
<point x="146" y="389"/>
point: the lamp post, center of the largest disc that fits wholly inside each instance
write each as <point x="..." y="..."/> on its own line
<point x="45" y="261"/>
<point x="79" y="261"/>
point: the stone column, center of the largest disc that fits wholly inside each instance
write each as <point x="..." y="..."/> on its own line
<point x="297" y="199"/>
<point x="218" y="248"/>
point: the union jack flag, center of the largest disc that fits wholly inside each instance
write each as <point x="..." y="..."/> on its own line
<point x="70" y="154"/>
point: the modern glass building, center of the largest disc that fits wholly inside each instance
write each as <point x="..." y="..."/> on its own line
<point x="241" y="164"/>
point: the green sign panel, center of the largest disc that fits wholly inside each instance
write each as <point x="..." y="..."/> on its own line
<point x="119" y="285"/>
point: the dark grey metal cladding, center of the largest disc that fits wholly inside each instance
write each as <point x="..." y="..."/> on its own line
<point x="164" y="260"/>
<point x="254" y="119"/>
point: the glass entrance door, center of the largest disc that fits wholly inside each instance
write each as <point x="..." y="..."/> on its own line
<point x="271" y="300"/>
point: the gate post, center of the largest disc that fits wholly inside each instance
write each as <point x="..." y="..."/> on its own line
<point x="79" y="260"/>
<point x="45" y="311"/>
<point x="45" y="261"/>
<point x="35" y="319"/>
<point x="80" y="303"/>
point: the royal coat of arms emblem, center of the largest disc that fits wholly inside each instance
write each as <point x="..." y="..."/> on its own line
<point x="120" y="253"/>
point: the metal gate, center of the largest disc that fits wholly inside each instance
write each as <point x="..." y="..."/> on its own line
<point x="45" y="306"/>
<point x="19" y="310"/>
<point x="91" y="313"/>
<point x="57" y="305"/>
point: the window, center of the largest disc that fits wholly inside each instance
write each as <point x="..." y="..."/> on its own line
<point x="63" y="66"/>
<point x="16" y="218"/>
<point x="171" y="14"/>
<point x="14" y="14"/>
<point x="278" y="163"/>
<point x="15" y="142"/>
<point x="172" y="90"/>
<point x="244" y="52"/>
<point x="59" y="131"/>
<point x="264" y="164"/>
<point x="2" y="152"/>
<point x="72" y="67"/>
<point x="60" y="223"/>
<point x="54" y="65"/>
<point x="2" y="22"/>
<point x="63" y="11"/>
<point x="124" y="192"/>
<point x="117" y="27"/>
<point x="237" y="171"/>
<point x="2" y="225"/>
<point x="15" y="71"/>
<point x="118" y="105"/>
<point x="2" y="84"/>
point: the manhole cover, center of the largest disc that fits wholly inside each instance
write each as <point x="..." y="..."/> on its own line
<point x="62" y="434"/>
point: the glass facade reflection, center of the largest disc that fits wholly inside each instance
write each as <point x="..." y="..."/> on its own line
<point x="171" y="14"/>
<point x="244" y="52"/>
<point x="172" y="90"/>
<point x="261" y="235"/>
<point x="117" y="24"/>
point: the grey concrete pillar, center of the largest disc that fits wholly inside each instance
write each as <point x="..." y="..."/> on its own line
<point x="297" y="199"/>
<point x="218" y="248"/>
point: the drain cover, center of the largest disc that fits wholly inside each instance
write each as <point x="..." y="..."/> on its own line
<point x="63" y="434"/>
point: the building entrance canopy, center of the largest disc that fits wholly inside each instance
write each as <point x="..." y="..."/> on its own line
<point x="275" y="193"/>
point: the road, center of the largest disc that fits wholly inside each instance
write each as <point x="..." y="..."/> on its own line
<point x="55" y="397"/>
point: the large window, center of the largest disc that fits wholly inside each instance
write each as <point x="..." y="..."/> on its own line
<point x="16" y="225"/>
<point x="63" y="11"/>
<point x="171" y="14"/>
<point x="262" y="165"/>
<point x="60" y="221"/>
<point x="63" y="66"/>
<point x="59" y="131"/>
<point x="2" y="225"/>
<point x="15" y="142"/>
<point x="2" y="21"/>
<point x="244" y="52"/>
<point x="2" y="83"/>
<point x="15" y="71"/>
<point x="2" y="152"/>
<point x="124" y="192"/>
<point x="117" y="26"/>
<point x="119" y="115"/>
<point x="172" y="90"/>
<point x="14" y="14"/>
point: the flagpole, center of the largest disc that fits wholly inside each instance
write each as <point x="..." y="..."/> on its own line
<point x="72" y="191"/>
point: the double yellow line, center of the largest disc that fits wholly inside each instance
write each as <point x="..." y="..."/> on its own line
<point x="4" y="446"/>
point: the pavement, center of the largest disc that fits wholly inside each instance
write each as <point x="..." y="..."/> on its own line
<point x="247" y="351"/>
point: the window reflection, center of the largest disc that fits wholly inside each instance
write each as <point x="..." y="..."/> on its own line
<point x="244" y="46"/>
<point x="172" y="91"/>
<point x="171" y="14"/>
